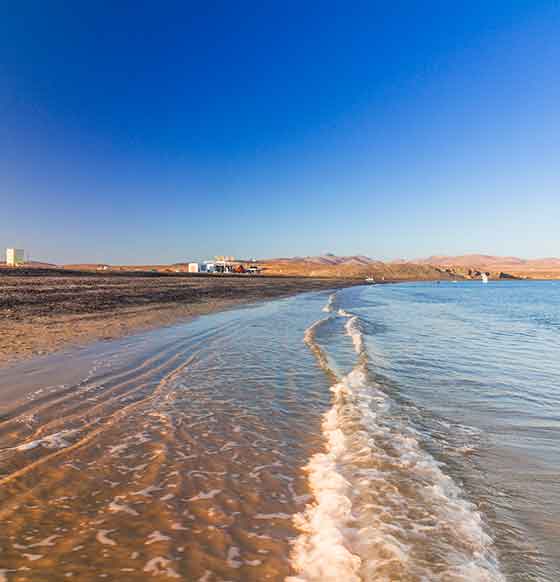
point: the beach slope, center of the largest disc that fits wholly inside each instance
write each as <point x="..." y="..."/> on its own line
<point x="42" y="311"/>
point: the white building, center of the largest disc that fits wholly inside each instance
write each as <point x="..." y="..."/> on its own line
<point x="206" y="267"/>
<point x="224" y="264"/>
<point x="15" y="257"/>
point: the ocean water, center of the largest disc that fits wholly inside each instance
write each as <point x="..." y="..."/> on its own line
<point x="380" y="433"/>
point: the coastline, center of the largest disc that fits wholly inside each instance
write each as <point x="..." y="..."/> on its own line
<point x="44" y="315"/>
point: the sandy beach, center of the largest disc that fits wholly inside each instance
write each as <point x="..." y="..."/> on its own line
<point x="45" y="311"/>
<point x="289" y="441"/>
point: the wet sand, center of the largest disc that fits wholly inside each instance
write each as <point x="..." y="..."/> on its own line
<point x="272" y="443"/>
<point x="173" y="454"/>
<point x="45" y="312"/>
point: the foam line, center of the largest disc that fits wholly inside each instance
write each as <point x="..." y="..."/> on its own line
<point x="359" y="525"/>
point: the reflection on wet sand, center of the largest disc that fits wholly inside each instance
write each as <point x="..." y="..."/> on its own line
<point x="281" y="442"/>
<point x="185" y="465"/>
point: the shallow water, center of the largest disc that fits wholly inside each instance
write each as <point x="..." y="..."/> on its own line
<point x="402" y="432"/>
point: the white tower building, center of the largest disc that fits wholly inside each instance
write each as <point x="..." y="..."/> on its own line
<point x="15" y="257"/>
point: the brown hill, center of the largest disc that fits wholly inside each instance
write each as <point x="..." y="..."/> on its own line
<point x="360" y="266"/>
<point x="468" y="260"/>
<point x="545" y="268"/>
<point x="353" y="267"/>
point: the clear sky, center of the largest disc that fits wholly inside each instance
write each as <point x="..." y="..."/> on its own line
<point x="147" y="132"/>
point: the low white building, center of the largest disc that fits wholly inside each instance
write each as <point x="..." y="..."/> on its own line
<point x="15" y="257"/>
<point x="205" y="267"/>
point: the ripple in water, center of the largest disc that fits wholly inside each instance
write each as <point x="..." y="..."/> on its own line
<point x="383" y="509"/>
<point x="225" y="449"/>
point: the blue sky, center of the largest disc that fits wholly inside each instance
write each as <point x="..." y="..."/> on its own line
<point x="143" y="132"/>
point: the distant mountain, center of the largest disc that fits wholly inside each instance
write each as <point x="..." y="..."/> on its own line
<point x="355" y="266"/>
<point x="547" y="268"/>
<point x="431" y="268"/>
<point x="467" y="260"/>
<point x="360" y="266"/>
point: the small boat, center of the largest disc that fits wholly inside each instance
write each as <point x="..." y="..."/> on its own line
<point x="370" y="280"/>
<point x="484" y="278"/>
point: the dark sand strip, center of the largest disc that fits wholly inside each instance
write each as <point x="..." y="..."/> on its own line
<point x="45" y="313"/>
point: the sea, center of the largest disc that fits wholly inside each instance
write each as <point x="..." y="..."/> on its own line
<point x="406" y="432"/>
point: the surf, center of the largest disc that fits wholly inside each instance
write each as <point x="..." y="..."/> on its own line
<point x="383" y="507"/>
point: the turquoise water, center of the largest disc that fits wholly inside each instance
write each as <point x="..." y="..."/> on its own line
<point x="403" y="432"/>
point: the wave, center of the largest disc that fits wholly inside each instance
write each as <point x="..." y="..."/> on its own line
<point x="329" y="306"/>
<point x="383" y="508"/>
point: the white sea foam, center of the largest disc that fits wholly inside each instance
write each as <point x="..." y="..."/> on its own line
<point x="277" y="515"/>
<point x="205" y="495"/>
<point x="116" y="506"/>
<point x="103" y="538"/>
<point x="117" y="448"/>
<point x="330" y="303"/>
<point x="156" y="536"/>
<point x="46" y="542"/>
<point x="232" y="555"/>
<point x="33" y="557"/>
<point x="147" y="491"/>
<point x="353" y="330"/>
<point x="52" y="441"/>
<point x="381" y="503"/>
<point x="322" y="551"/>
<point x="310" y="331"/>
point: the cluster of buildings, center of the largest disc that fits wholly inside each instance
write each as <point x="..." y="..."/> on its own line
<point x="220" y="265"/>
<point x="224" y="265"/>
<point x="15" y="257"/>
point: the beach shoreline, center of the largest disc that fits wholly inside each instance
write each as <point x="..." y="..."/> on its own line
<point x="40" y="315"/>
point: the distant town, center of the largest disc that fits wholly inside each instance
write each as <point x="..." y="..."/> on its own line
<point x="220" y="265"/>
<point x="224" y="265"/>
<point x="465" y="267"/>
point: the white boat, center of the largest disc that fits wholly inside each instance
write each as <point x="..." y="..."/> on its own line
<point x="370" y="280"/>
<point x="484" y="278"/>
